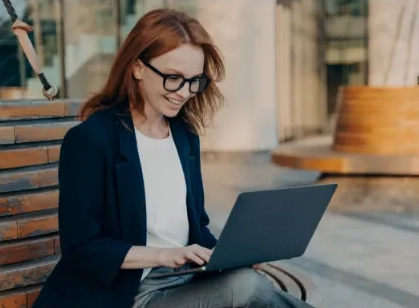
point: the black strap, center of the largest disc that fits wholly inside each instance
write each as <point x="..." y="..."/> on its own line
<point x="44" y="81"/>
<point x="10" y="10"/>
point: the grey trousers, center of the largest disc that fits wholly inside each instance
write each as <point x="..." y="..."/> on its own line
<point x="243" y="288"/>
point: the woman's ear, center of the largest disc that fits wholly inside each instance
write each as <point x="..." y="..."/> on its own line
<point x="138" y="70"/>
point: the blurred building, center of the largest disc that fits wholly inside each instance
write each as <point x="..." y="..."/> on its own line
<point x="286" y="59"/>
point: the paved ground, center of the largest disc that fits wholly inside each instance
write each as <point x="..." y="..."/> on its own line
<point x="365" y="253"/>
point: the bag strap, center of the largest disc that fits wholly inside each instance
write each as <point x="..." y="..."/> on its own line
<point x="21" y="29"/>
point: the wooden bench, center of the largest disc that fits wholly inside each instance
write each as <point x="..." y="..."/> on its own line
<point x="377" y="132"/>
<point x="30" y="136"/>
<point x="294" y="282"/>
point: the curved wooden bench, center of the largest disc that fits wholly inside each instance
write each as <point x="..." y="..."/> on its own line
<point x="383" y="121"/>
<point x="295" y="283"/>
<point x="377" y="132"/>
<point x="30" y="136"/>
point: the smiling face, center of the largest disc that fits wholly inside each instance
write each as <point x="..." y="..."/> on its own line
<point x="187" y="61"/>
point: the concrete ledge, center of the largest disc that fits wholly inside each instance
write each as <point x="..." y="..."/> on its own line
<point x="239" y="157"/>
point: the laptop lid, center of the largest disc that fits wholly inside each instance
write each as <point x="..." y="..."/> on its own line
<point x="270" y="225"/>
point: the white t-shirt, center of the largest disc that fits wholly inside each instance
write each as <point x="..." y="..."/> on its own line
<point x="165" y="193"/>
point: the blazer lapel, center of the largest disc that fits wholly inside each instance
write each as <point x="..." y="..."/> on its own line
<point x="181" y="140"/>
<point x="130" y="181"/>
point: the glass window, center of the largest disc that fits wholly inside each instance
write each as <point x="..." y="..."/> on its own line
<point x="346" y="7"/>
<point x="346" y="46"/>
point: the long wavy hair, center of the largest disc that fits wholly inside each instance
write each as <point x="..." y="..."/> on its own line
<point x="156" y="33"/>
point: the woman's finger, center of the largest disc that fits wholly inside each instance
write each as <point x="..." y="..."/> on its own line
<point x="196" y="247"/>
<point x="204" y="255"/>
<point x="194" y="257"/>
<point x="202" y="252"/>
<point x="258" y="266"/>
<point x="179" y="261"/>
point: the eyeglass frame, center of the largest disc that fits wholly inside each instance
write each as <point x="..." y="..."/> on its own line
<point x="184" y="80"/>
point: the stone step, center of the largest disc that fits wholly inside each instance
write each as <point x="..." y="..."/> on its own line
<point x="12" y="181"/>
<point x="29" y="156"/>
<point x="16" y="133"/>
<point x="30" y="273"/>
<point x="38" y="109"/>
<point x="22" y="228"/>
<point x="28" y="249"/>
<point x="29" y="202"/>
<point x="20" y="298"/>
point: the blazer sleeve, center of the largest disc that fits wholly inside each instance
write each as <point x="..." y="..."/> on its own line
<point x="209" y="238"/>
<point x="82" y="176"/>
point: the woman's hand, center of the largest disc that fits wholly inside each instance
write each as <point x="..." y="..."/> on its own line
<point x="176" y="257"/>
<point x="259" y="266"/>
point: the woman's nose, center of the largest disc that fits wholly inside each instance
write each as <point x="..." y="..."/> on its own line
<point x="184" y="91"/>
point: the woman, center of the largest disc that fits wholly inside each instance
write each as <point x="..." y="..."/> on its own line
<point x="131" y="195"/>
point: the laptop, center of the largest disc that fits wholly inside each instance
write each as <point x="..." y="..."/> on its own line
<point x="266" y="226"/>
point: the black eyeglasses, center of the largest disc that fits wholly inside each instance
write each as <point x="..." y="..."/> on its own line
<point x="175" y="82"/>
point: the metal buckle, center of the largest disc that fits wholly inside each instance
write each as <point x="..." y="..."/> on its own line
<point x="51" y="93"/>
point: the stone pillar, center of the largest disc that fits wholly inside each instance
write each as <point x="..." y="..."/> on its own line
<point x="244" y="30"/>
<point x="284" y="70"/>
<point x="301" y="82"/>
<point x="309" y="79"/>
<point x="393" y="42"/>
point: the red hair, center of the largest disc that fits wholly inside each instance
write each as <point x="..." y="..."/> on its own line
<point x="156" y="33"/>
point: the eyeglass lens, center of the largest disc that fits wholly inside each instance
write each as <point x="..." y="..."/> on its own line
<point x="174" y="83"/>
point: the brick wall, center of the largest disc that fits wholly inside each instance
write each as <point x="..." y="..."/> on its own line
<point x="30" y="137"/>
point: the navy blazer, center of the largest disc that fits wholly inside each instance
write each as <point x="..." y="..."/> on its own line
<point x="102" y="211"/>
